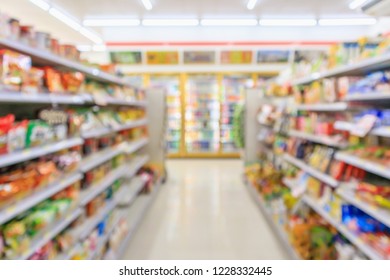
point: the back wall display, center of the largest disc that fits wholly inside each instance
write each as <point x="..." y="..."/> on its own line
<point x="126" y="57"/>
<point x="199" y="57"/>
<point x="162" y="57"/>
<point x="273" y="56"/>
<point x="236" y="57"/>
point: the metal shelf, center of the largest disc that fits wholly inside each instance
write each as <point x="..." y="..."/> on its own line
<point x="102" y="185"/>
<point x="45" y="58"/>
<point x="103" y="240"/>
<point x="378" y="213"/>
<point x="52" y="232"/>
<point x="40" y="98"/>
<point x="129" y="193"/>
<point x="325" y="140"/>
<point x="96" y="133"/>
<point x="383" y="131"/>
<point x="91" y="223"/>
<point x="99" y="158"/>
<point x="135" y="217"/>
<point x="367" y="165"/>
<point x="36" y="152"/>
<point x="369" y="97"/>
<point x="323" y="107"/>
<point x="311" y="171"/>
<point x="132" y="124"/>
<point x="356" y="69"/>
<point x="355" y="240"/>
<point x="280" y="233"/>
<point x="35" y="198"/>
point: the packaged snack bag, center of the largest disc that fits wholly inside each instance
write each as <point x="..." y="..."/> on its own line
<point x="53" y="80"/>
<point x="38" y="133"/>
<point x="72" y="82"/>
<point x="33" y="82"/>
<point x="17" y="136"/>
<point x="13" y="69"/>
<point x="5" y="125"/>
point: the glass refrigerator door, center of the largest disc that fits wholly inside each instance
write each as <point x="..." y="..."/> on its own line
<point x="202" y="118"/>
<point x="233" y="92"/>
<point x="174" y="122"/>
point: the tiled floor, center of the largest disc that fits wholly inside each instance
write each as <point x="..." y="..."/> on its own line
<point x="204" y="212"/>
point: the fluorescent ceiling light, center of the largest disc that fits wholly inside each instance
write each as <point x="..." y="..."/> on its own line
<point x="357" y="4"/>
<point x="111" y="22"/>
<point x="147" y="4"/>
<point x="251" y="4"/>
<point x="65" y="19"/>
<point x="288" y="22"/>
<point x="228" y="22"/>
<point x="91" y="36"/>
<point x="347" y="21"/>
<point x="170" y="22"/>
<point x="41" y="4"/>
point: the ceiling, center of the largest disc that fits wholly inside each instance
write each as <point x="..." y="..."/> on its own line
<point x="81" y="9"/>
<point x="205" y="8"/>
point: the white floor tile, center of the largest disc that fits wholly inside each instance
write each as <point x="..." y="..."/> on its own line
<point x="204" y="212"/>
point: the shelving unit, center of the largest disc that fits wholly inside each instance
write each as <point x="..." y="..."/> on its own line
<point x="321" y="139"/>
<point x="35" y="198"/>
<point x="52" y="232"/>
<point x="44" y="58"/>
<point x="135" y="216"/>
<point x="278" y="230"/>
<point x="142" y="148"/>
<point x="356" y="69"/>
<point x="310" y="170"/>
<point x="367" y="165"/>
<point x="364" y="248"/>
<point x="36" y="152"/>
<point x="323" y="107"/>
<point x="349" y="196"/>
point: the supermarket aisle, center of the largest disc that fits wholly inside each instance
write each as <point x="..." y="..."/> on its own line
<point x="204" y="212"/>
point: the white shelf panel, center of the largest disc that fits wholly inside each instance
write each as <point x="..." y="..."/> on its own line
<point x="323" y="107"/>
<point x="100" y="132"/>
<point x="36" y="152"/>
<point x="367" y="165"/>
<point x="325" y="140"/>
<point x="91" y="223"/>
<point x="129" y="193"/>
<point x="21" y="206"/>
<point x="280" y="233"/>
<point x="40" y="98"/>
<point x="311" y="171"/>
<point x="363" y="247"/>
<point x="50" y="234"/>
<point x="378" y="213"/>
<point x="369" y="97"/>
<point x="132" y="124"/>
<point x="98" y="188"/>
<point x="383" y="131"/>
<point x="97" y="133"/>
<point x="135" y="215"/>
<point x="356" y="69"/>
<point x="124" y="102"/>
<point x="99" y="158"/>
<point x="136" y="145"/>
<point x="42" y="57"/>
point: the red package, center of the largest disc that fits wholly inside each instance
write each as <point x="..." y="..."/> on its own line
<point x="5" y="125"/>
